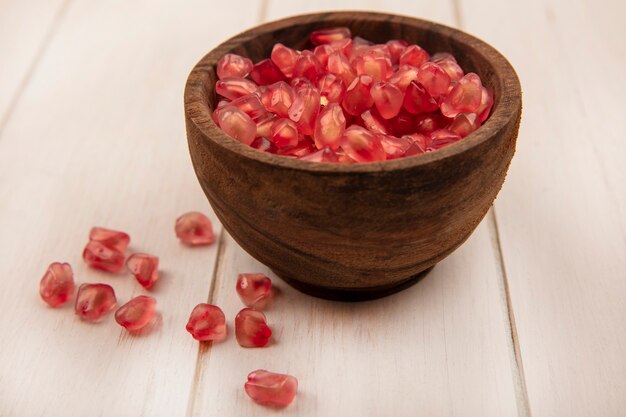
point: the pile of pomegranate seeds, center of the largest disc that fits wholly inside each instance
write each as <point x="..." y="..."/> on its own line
<point x="349" y="100"/>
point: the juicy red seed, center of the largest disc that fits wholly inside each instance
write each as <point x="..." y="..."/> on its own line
<point x="486" y="102"/>
<point x="322" y="52"/>
<point x="442" y="137"/>
<point x="233" y="87"/>
<point x="325" y="154"/>
<point x="387" y="98"/>
<point x="332" y="88"/>
<point x="464" y="124"/>
<point x="285" y="59"/>
<point x="277" y="98"/>
<point x="233" y="65"/>
<point x="57" y="284"/>
<point x="417" y="100"/>
<point x="403" y="77"/>
<point x="284" y="133"/>
<point x="323" y="36"/>
<point x="304" y="147"/>
<point x="93" y="301"/>
<point x="329" y="127"/>
<point x="373" y="121"/>
<point x="419" y="144"/>
<point x="102" y="257"/>
<point x="434" y="79"/>
<point x="236" y="124"/>
<point x="266" y="72"/>
<point x="254" y="290"/>
<point x="305" y="108"/>
<point x="144" y="267"/>
<point x="263" y="144"/>
<point x="307" y="66"/>
<point x="464" y="97"/>
<point x="194" y="229"/>
<point x="271" y="389"/>
<point x="111" y="238"/>
<point x="339" y="65"/>
<point x="396" y="48"/>
<point x="414" y="55"/>
<point x="358" y="97"/>
<point x="427" y="123"/>
<point x="377" y="66"/>
<point x="207" y="322"/>
<point x="402" y="124"/>
<point x="362" y="145"/>
<point x="137" y="313"/>
<point x="251" y="329"/>
<point x="395" y="147"/>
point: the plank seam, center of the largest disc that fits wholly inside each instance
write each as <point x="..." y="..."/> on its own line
<point x="28" y="75"/>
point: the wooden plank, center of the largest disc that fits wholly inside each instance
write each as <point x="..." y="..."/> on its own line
<point x="97" y="138"/>
<point x="25" y="30"/>
<point x="562" y="213"/>
<point x="442" y="347"/>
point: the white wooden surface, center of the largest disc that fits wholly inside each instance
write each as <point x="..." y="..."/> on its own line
<point x="526" y="318"/>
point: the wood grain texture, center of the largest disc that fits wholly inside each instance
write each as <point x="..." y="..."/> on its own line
<point x="353" y="230"/>
<point x="25" y="30"/>
<point x="98" y="139"/>
<point x="562" y="215"/>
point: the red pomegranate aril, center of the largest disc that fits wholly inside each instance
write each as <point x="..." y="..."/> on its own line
<point x="339" y="65"/>
<point x="236" y="124"/>
<point x="285" y="59"/>
<point x="329" y="126"/>
<point x="251" y="329"/>
<point x="303" y="148"/>
<point x="403" y="77"/>
<point x="464" y="97"/>
<point x="254" y="290"/>
<point x="451" y="68"/>
<point x="426" y="123"/>
<point x="387" y="98"/>
<point x="307" y="66"/>
<point x="417" y="100"/>
<point x="419" y="143"/>
<point x="358" y="97"/>
<point x="250" y="105"/>
<point x="402" y="124"/>
<point x="57" y="284"/>
<point x="362" y="145"/>
<point x="325" y="154"/>
<point x="144" y="267"/>
<point x="271" y="389"/>
<point x="266" y="72"/>
<point x="395" y="147"/>
<point x="442" y="137"/>
<point x="233" y="65"/>
<point x="194" y="229"/>
<point x="264" y="127"/>
<point x="396" y="48"/>
<point x="414" y="56"/>
<point x="486" y="103"/>
<point x="331" y="87"/>
<point x="300" y="82"/>
<point x="232" y="87"/>
<point x="102" y="257"/>
<point x="321" y="52"/>
<point x="323" y="36"/>
<point x="111" y="238"/>
<point x="371" y="63"/>
<point x="207" y="323"/>
<point x="284" y="133"/>
<point x="93" y="301"/>
<point x="263" y="144"/>
<point x="434" y="79"/>
<point x="373" y="121"/>
<point x="305" y="108"/>
<point x="137" y="313"/>
<point x="464" y="124"/>
<point x="344" y="46"/>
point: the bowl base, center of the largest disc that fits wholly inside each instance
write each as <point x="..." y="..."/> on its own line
<point x="353" y="294"/>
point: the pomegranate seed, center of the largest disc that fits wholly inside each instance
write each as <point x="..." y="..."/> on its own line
<point x="94" y="301"/>
<point x="322" y="36"/>
<point x="266" y="72"/>
<point x="194" y="229"/>
<point x="451" y="68"/>
<point x="427" y="123"/>
<point x="113" y="239"/>
<point x="57" y="284"/>
<point x="137" y="313"/>
<point x="270" y="389"/>
<point x="144" y="267"/>
<point x="442" y="137"/>
<point x="464" y="124"/>
<point x="417" y="100"/>
<point x="284" y="133"/>
<point x="434" y="79"/>
<point x="251" y="329"/>
<point x="486" y="102"/>
<point x="301" y="82"/>
<point x="255" y="290"/>
<point x="395" y="147"/>
<point x="358" y="97"/>
<point x="207" y="322"/>
<point x="250" y="105"/>
<point x="377" y="66"/>
<point x="307" y="66"/>
<point x="305" y="108"/>
<point x="344" y="46"/>
<point x="102" y="257"/>
<point x="325" y="154"/>
<point x="443" y="56"/>
<point x="332" y="88"/>
<point x="236" y="124"/>
<point x="329" y="126"/>
<point x="414" y="56"/>
<point x="277" y="98"/>
<point x="285" y="59"/>
<point x="304" y="147"/>
<point x="339" y="65"/>
<point x="387" y="98"/>
<point x="403" y="77"/>
<point x="464" y="97"/>
<point x="233" y="65"/>
<point x="413" y="150"/>
<point x="373" y="121"/>
<point x="396" y="48"/>
<point x="264" y="126"/>
<point x="362" y="145"/>
<point x="263" y="144"/>
<point x="402" y="124"/>
<point x="419" y="144"/>
<point x="233" y="87"/>
<point x="321" y="52"/>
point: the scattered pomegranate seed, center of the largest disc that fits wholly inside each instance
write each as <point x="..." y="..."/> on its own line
<point x="194" y="229"/>
<point x="102" y="257"/>
<point x="94" y="301"/>
<point x="301" y="103"/>
<point x="255" y="290"/>
<point x="207" y="322"/>
<point x="137" y="313"/>
<point x="57" y="284"/>
<point x="144" y="268"/>
<point x="271" y="389"/>
<point x="232" y="65"/>
<point x="111" y="238"/>
<point x="251" y="328"/>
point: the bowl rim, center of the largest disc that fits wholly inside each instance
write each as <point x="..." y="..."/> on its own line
<point x="504" y="112"/>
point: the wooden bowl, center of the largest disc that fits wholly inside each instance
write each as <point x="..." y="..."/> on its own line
<point x="353" y="231"/>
